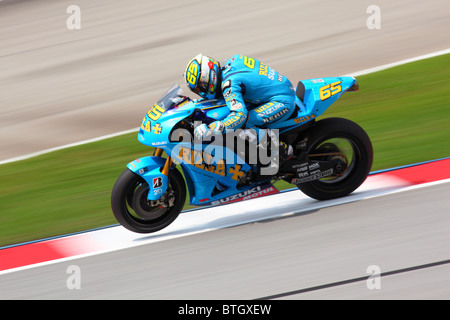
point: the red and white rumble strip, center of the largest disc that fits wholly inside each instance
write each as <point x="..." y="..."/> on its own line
<point x="22" y="256"/>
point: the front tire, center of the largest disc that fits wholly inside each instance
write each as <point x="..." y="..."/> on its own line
<point x="132" y="209"/>
<point x="338" y="136"/>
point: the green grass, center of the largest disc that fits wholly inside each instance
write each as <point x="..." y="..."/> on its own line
<point x="405" y="110"/>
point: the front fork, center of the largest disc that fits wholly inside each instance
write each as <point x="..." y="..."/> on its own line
<point x="165" y="170"/>
<point x="155" y="171"/>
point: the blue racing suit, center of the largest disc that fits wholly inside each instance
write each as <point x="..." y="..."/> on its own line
<point x="256" y="94"/>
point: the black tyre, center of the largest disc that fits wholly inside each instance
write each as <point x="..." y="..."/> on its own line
<point x="135" y="212"/>
<point x="350" y="146"/>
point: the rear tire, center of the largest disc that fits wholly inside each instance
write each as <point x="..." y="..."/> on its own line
<point x="132" y="209"/>
<point x="322" y="137"/>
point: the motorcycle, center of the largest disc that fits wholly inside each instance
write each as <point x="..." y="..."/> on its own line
<point x="331" y="157"/>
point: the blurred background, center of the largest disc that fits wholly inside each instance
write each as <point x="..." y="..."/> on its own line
<point x="60" y="86"/>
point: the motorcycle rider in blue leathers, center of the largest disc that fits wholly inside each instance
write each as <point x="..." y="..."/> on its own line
<point x="256" y="94"/>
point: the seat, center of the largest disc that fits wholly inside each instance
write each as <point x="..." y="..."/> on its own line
<point x="300" y="92"/>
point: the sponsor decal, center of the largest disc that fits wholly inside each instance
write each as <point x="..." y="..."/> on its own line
<point x="226" y="89"/>
<point x="305" y="177"/>
<point x="303" y="119"/>
<point x="145" y="124"/>
<point x="202" y="160"/>
<point x="157" y="182"/>
<point x="264" y="107"/>
<point x="252" y="193"/>
<point x="226" y="85"/>
<point x="271" y="74"/>
<point x="268" y="108"/>
<point x="157" y="128"/>
<point x="262" y="70"/>
<point x="159" y="143"/>
<point x="234" y="119"/>
<point x="275" y="116"/>
<point x="235" y="105"/>
<point x="143" y="170"/>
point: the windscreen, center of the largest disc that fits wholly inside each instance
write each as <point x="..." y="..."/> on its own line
<point x="172" y="97"/>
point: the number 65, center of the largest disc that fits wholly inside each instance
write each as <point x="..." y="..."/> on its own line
<point x="330" y="90"/>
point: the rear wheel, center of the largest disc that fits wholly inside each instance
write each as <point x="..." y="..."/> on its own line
<point x="135" y="212"/>
<point x="348" y="147"/>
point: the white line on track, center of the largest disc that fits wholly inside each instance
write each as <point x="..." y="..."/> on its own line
<point x="357" y="73"/>
<point x="398" y="63"/>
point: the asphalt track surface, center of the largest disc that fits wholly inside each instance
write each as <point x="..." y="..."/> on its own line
<point x="317" y="254"/>
<point x="59" y="86"/>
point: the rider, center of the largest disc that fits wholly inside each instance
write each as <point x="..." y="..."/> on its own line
<point x="256" y="95"/>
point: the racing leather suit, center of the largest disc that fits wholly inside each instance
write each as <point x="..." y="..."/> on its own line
<point x="256" y="94"/>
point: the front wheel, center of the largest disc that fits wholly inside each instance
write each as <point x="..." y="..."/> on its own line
<point x="135" y="212"/>
<point x="345" y="142"/>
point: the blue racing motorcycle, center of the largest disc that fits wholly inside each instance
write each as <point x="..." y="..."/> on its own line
<point x="331" y="158"/>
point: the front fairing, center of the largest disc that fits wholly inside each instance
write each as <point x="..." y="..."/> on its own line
<point x="159" y="121"/>
<point x="173" y="107"/>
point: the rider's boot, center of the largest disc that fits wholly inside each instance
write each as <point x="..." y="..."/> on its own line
<point x="286" y="151"/>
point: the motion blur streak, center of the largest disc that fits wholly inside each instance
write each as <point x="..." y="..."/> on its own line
<point x="60" y="86"/>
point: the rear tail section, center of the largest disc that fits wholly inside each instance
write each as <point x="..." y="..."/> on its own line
<point x="313" y="97"/>
<point x="318" y="94"/>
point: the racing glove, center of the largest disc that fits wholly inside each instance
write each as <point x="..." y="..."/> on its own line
<point x="217" y="127"/>
<point x="203" y="131"/>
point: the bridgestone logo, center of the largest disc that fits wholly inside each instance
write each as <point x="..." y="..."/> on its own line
<point x="248" y="194"/>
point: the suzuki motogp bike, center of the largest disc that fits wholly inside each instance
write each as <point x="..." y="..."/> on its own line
<point x="331" y="157"/>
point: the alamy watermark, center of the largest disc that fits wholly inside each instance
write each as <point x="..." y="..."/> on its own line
<point x="374" y="20"/>
<point x="374" y="280"/>
<point x="73" y="22"/>
<point x="251" y="146"/>
<point x="74" y="279"/>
